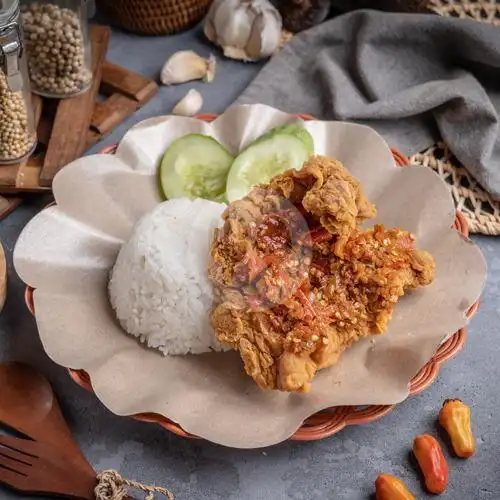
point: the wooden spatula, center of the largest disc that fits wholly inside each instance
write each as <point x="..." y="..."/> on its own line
<point x="28" y="405"/>
<point x="38" y="468"/>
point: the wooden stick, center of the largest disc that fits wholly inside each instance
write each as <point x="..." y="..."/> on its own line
<point x="129" y="91"/>
<point x="8" y="204"/>
<point x="118" y="80"/>
<point x="74" y="114"/>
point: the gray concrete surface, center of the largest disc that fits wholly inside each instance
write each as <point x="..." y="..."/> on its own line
<point x="342" y="467"/>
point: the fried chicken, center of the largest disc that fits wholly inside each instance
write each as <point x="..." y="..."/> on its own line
<point x="330" y="194"/>
<point x="296" y="280"/>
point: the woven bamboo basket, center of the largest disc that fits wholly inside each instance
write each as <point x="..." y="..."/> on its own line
<point x="153" y="17"/>
<point x="332" y="420"/>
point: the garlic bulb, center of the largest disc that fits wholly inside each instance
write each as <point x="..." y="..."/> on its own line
<point x="189" y="105"/>
<point x="245" y="29"/>
<point x="187" y="65"/>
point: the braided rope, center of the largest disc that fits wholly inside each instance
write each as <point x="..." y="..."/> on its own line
<point x="112" y="486"/>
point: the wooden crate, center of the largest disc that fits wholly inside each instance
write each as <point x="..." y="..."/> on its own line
<point x="66" y="128"/>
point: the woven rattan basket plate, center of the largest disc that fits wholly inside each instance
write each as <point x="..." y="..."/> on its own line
<point x="332" y="420"/>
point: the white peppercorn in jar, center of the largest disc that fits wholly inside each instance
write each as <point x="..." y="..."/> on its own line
<point x="17" y="124"/>
<point x="58" y="47"/>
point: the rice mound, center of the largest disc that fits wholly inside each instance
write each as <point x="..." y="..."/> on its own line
<point x="159" y="287"/>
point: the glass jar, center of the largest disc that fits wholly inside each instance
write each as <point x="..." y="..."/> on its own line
<point x="17" y="123"/>
<point x="58" y="47"/>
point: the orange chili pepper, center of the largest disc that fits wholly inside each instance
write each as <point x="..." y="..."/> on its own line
<point x="388" y="487"/>
<point x="431" y="460"/>
<point x="454" y="417"/>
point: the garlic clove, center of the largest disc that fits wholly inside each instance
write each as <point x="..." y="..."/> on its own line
<point x="211" y="66"/>
<point x="245" y="29"/>
<point x="233" y="27"/>
<point x="270" y="37"/>
<point x="189" y="105"/>
<point x="209" y="30"/>
<point x="186" y="65"/>
<point x="235" y="53"/>
<point x="254" y="43"/>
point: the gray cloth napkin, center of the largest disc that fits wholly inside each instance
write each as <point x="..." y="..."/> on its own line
<point x="412" y="77"/>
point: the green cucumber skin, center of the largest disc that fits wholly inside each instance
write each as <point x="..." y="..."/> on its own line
<point x="159" y="185"/>
<point x="289" y="149"/>
<point x="292" y="129"/>
<point x="177" y="143"/>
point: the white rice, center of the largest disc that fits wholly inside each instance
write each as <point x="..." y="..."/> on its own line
<point x="159" y="287"/>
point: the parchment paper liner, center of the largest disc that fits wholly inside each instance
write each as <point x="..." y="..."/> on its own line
<point x="66" y="253"/>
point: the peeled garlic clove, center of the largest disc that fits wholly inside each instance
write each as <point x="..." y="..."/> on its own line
<point x="189" y="105"/>
<point x="187" y="65"/>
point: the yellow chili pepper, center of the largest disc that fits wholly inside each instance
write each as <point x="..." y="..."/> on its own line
<point x="388" y="487"/>
<point x="454" y="417"/>
<point x="431" y="460"/>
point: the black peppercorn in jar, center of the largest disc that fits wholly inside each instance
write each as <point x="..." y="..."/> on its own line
<point x="58" y="47"/>
<point x="17" y="124"/>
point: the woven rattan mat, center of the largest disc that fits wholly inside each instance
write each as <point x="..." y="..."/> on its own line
<point x="487" y="11"/>
<point x="482" y="213"/>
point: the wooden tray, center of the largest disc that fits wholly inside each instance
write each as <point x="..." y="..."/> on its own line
<point x="332" y="420"/>
<point x="66" y="128"/>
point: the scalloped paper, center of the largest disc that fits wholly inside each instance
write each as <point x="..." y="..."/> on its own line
<point x="67" y="251"/>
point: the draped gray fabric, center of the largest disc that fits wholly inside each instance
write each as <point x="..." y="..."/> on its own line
<point x="412" y="77"/>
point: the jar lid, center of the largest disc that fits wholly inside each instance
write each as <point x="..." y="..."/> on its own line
<point x="8" y="10"/>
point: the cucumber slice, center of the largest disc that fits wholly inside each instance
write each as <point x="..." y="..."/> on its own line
<point x="194" y="166"/>
<point x="291" y="129"/>
<point x="260" y="162"/>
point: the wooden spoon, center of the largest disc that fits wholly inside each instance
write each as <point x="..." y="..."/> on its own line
<point x="28" y="405"/>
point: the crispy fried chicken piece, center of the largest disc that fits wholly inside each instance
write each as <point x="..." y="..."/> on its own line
<point x="379" y="266"/>
<point x="261" y="243"/>
<point x="297" y="282"/>
<point x="327" y="191"/>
